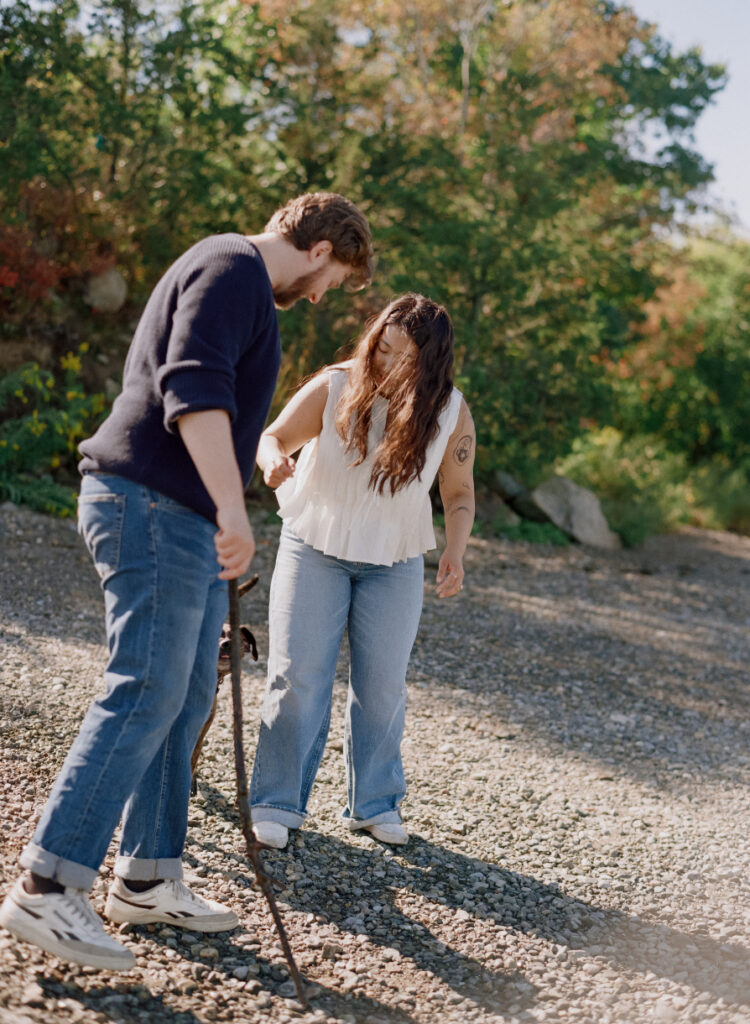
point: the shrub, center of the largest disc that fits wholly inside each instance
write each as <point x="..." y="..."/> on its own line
<point x="722" y="497"/>
<point x="42" y="419"/>
<point x="643" y="487"/>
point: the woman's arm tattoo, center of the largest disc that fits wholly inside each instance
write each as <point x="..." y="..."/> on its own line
<point x="457" y="508"/>
<point x="462" y="451"/>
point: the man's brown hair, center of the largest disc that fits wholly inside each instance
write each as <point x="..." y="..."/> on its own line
<point x="327" y="216"/>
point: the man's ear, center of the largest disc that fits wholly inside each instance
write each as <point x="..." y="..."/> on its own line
<point x="320" y="251"/>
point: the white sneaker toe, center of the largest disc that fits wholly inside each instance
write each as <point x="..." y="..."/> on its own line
<point x="271" y="833"/>
<point x="388" y="832"/>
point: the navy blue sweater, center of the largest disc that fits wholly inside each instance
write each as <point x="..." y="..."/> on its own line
<point x="208" y="339"/>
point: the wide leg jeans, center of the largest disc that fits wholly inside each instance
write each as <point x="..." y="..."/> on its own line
<point x="314" y="599"/>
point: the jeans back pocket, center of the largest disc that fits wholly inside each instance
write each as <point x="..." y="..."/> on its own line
<point x="100" y="524"/>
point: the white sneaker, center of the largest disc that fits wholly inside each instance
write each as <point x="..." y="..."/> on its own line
<point x="271" y="833"/>
<point x="170" y="902"/>
<point x="65" y="924"/>
<point x="388" y="832"/>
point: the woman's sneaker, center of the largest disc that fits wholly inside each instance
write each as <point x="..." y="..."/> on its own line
<point x="170" y="902"/>
<point x="271" y="833"/>
<point x="65" y="924"/>
<point x="388" y="832"/>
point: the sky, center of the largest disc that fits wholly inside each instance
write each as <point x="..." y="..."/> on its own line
<point x="721" y="28"/>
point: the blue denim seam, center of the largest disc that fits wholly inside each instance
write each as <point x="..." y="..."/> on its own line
<point x="318" y="748"/>
<point x="162" y="789"/>
<point x="152" y="509"/>
<point x="349" y="757"/>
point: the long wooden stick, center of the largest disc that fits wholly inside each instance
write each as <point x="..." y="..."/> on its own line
<point x="254" y="848"/>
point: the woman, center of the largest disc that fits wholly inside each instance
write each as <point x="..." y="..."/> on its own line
<point x="357" y="519"/>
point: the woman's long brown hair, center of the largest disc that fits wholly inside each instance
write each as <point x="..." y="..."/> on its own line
<point x="417" y="391"/>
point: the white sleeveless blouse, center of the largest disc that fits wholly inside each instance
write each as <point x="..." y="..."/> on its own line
<point x="329" y="504"/>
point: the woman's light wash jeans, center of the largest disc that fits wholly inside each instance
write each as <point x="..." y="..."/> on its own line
<point x="164" y="612"/>
<point x="314" y="598"/>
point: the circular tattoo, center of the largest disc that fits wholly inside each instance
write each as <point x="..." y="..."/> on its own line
<point x="463" y="449"/>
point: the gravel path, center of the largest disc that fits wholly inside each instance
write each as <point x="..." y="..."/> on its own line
<point x="577" y="758"/>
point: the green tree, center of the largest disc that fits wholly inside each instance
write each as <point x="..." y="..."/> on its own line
<point x="687" y="379"/>
<point x="151" y="118"/>
<point x="515" y="160"/>
<point x="493" y="146"/>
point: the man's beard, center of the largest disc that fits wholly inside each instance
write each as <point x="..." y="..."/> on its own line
<point x="285" y="298"/>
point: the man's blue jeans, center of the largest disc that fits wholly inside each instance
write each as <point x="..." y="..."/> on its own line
<point x="314" y="598"/>
<point x="164" y="610"/>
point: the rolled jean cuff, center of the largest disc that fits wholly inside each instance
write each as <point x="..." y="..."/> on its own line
<point x="146" y="869"/>
<point x="265" y="812"/>
<point x="58" y="869"/>
<point x="384" y="818"/>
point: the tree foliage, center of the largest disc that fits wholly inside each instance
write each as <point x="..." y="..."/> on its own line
<point x="521" y="161"/>
<point x="686" y="377"/>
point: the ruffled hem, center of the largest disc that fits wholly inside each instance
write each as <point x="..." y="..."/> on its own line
<point x="353" y="534"/>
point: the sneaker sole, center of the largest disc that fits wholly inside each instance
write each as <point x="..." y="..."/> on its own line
<point x="120" y="915"/>
<point x="26" y="931"/>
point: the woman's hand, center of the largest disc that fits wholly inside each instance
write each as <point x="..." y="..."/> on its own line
<point x="450" y="574"/>
<point x="279" y="469"/>
<point x="299" y="422"/>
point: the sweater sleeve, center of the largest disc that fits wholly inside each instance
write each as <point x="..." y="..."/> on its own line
<point x="211" y="320"/>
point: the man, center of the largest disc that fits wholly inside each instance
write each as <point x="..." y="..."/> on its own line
<point x="167" y="467"/>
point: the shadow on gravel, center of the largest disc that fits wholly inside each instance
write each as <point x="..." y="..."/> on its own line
<point x="546" y="911"/>
<point x="520" y="902"/>
<point x="354" y="869"/>
<point x="136" y="1003"/>
<point x="355" y="879"/>
<point x="272" y="978"/>
<point x="118" y="1004"/>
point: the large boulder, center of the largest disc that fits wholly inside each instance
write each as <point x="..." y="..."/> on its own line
<point x="576" y="511"/>
<point x="106" y="292"/>
<point x="528" y="508"/>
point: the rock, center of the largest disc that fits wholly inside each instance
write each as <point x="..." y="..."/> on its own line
<point x="664" y="1011"/>
<point x="106" y="292"/>
<point x="576" y="511"/>
<point x="526" y="507"/>
<point x="507" y="486"/>
<point x="492" y="509"/>
<point x="349" y="981"/>
<point x="33" y="995"/>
